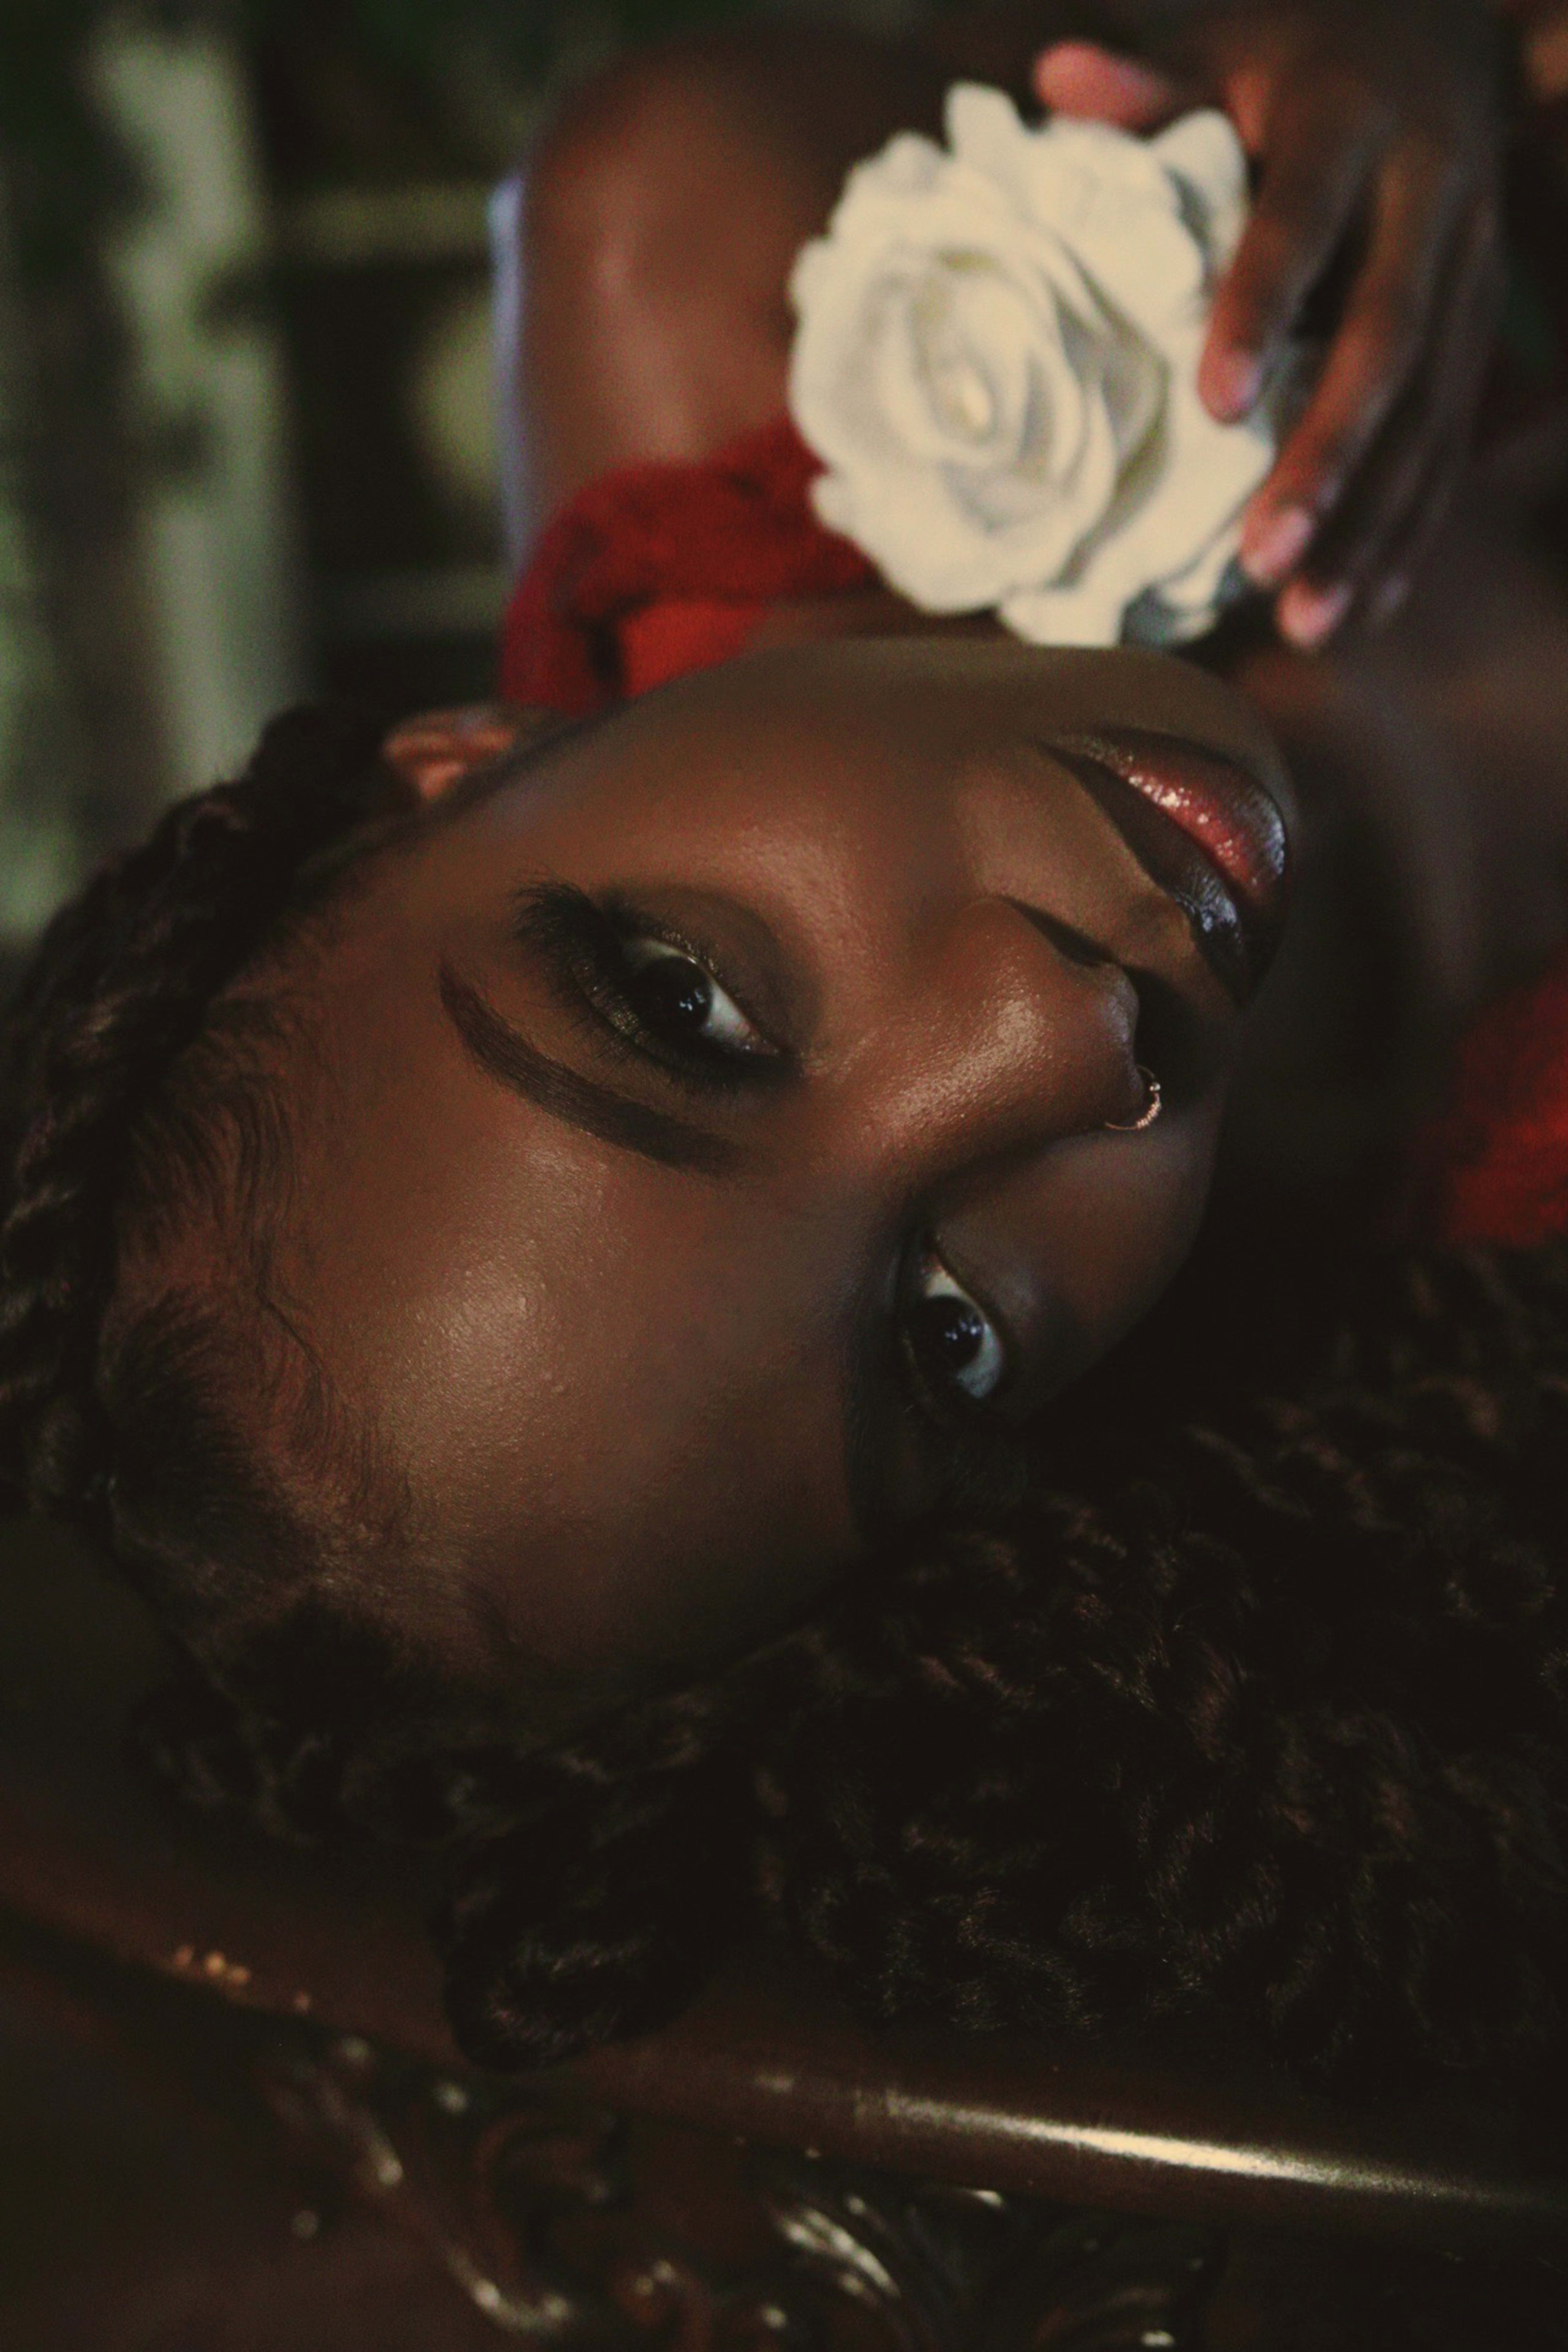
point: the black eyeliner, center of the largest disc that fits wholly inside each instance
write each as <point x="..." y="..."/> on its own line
<point x="580" y="943"/>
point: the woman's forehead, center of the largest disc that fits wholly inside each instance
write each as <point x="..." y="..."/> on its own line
<point x="865" y="686"/>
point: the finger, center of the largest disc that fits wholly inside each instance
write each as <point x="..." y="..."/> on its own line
<point x="1407" y="557"/>
<point x="1096" y="84"/>
<point x="1380" y="525"/>
<point x="1310" y="618"/>
<point x="1418" y="464"/>
<point x="1319" y="169"/>
<point x="1386" y="328"/>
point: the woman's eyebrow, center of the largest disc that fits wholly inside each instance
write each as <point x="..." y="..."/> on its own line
<point x="504" y="1053"/>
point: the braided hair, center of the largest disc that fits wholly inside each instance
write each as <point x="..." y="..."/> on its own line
<point x="120" y="986"/>
<point x="1258" y="1697"/>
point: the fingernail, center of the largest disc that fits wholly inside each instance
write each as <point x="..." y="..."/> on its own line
<point x="1390" y="598"/>
<point x="1309" y="616"/>
<point x="1277" y="545"/>
<point x="1231" y="385"/>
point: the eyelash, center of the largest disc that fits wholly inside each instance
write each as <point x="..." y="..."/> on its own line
<point x="582" y="943"/>
<point x="983" y="1461"/>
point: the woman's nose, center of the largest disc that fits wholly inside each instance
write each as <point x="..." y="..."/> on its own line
<point x="1011" y="1035"/>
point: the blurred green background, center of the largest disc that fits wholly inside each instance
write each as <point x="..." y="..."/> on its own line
<point x="248" y="446"/>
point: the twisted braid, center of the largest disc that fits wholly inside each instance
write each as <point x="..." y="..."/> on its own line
<point x="599" y="1910"/>
<point x="1268" y="1707"/>
<point x="589" y="1886"/>
<point x="118" y="990"/>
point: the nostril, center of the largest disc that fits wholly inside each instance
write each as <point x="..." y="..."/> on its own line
<point x="1077" y="948"/>
<point x="1051" y="1015"/>
<point x="1170" y="1039"/>
<point x="1075" y="945"/>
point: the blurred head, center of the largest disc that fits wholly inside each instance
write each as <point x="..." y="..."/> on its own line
<point x="696" y="1148"/>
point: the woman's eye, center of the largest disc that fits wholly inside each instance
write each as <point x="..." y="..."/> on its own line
<point x="953" y="1338"/>
<point x="678" y="998"/>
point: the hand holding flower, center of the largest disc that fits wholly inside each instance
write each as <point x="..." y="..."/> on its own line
<point x="1379" y="122"/>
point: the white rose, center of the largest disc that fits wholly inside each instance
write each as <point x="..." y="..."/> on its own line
<point x="996" y="359"/>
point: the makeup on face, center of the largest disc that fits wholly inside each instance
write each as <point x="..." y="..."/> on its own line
<point x="1201" y="827"/>
<point x="735" y="1135"/>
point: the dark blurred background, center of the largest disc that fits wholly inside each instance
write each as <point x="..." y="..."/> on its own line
<point x="248" y="443"/>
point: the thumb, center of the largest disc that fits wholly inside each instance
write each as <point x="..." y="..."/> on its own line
<point x="1096" y="84"/>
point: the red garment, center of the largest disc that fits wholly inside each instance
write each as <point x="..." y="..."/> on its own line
<point x="1494" y="1167"/>
<point x="662" y="568"/>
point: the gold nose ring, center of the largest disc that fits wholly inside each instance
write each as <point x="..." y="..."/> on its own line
<point x="1154" y="1103"/>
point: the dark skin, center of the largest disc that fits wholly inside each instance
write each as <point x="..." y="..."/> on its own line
<point x="645" y="1344"/>
<point x="686" y="182"/>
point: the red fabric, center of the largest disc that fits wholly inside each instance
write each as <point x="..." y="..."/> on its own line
<point x="1494" y="1167"/>
<point x="662" y="568"/>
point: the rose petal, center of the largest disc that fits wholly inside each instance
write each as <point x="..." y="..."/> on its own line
<point x="975" y="331"/>
<point x="955" y="539"/>
<point x="1109" y="199"/>
<point x="1196" y="597"/>
<point x="1085" y="614"/>
<point x="1134" y="248"/>
<point x="1208" y="163"/>
<point x="1210" y="471"/>
<point x="861" y="405"/>
<point x="985" y="129"/>
<point x="858" y="341"/>
<point x="1102" y="164"/>
<point x="908" y="166"/>
<point x="1192" y="497"/>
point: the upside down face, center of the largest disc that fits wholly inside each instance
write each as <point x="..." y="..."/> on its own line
<point x="730" y="1128"/>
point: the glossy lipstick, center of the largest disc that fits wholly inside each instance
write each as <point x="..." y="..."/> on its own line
<point x="1201" y="827"/>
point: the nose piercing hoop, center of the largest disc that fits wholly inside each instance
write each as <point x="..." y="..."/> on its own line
<point x="1154" y="1103"/>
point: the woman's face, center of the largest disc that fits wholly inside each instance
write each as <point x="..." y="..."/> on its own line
<point x="725" y="1128"/>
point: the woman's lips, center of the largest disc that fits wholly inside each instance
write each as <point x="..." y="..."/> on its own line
<point x="1203" y="829"/>
<point x="1221" y="806"/>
